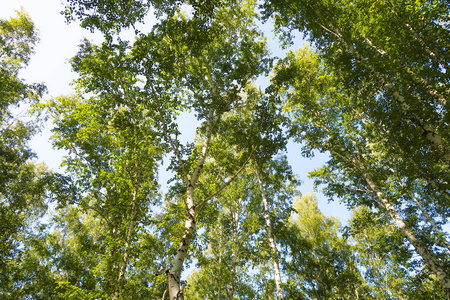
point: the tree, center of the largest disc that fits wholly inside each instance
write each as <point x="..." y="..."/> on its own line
<point x="188" y="64"/>
<point x="230" y="230"/>
<point x="271" y="173"/>
<point x="319" y="263"/>
<point x="107" y="16"/>
<point x="22" y="182"/>
<point x="394" y="55"/>
<point x="268" y="174"/>
<point x="365" y="168"/>
<point x="111" y="17"/>
<point x="236" y="237"/>
<point x="386" y="263"/>
<point x="212" y="71"/>
<point x="391" y="50"/>
<point x="276" y="184"/>
<point x="113" y="155"/>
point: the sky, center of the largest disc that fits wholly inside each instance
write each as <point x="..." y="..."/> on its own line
<point x="59" y="42"/>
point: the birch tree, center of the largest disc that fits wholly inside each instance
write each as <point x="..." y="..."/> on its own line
<point x="365" y="169"/>
<point x="113" y="153"/>
<point x="193" y="65"/>
<point x="272" y="175"/>
<point x="277" y="187"/>
<point x="319" y="264"/>
<point x="22" y="181"/>
<point x="228" y="244"/>
<point x="394" y="55"/>
<point x="386" y="263"/>
<point x="112" y="159"/>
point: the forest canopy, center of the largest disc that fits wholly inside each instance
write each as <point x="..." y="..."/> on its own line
<point x="370" y="89"/>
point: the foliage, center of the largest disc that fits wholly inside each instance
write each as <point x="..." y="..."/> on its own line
<point x="110" y="17"/>
<point x="392" y="57"/>
<point x="112" y="162"/>
<point x="22" y="182"/>
<point x="318" y="262"/>
<point x="366" y="168"/>
<point x="373" y="96"/>
<point x="386" y="262"/>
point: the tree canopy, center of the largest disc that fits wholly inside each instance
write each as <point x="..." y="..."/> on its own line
<point x="370" y="91"/>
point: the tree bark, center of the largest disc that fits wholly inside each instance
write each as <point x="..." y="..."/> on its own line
<point x="272" y="244"/>
<point x="174" y="275"/>
<point x="428" y="256"/>
<point x="430" y="219"/>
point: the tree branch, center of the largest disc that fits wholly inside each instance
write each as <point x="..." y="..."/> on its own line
<point x="165" y="130"/>
<point x="200" y="206"/>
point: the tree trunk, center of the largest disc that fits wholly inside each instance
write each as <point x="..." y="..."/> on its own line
<point x="272" y="245"/>
<point x="174" y="275"/>
<point x="428" y="256"/>
<point x="430" y="219"/>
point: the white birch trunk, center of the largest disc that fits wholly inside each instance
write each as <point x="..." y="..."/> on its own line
<point x="428" y="256"/>
<point x="430" y="219"/>
<point x="430" y="90"/>
<point x="174" y="276"/>
<point x="272" y="244"/>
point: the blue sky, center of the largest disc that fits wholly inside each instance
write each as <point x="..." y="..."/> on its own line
<point x="58" y="43"/>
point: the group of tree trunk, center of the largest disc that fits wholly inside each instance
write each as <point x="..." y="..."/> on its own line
<point x="372" y="95"/>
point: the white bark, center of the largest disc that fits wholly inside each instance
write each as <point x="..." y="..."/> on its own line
<point x="428" y="256"/>
<point x="429" y="132"/>
<point x="174" y="276"/>
<point x="431" y="91"/>
<point x="430" y="219"/>
<point x="272" y="244"/>
<point x="175" y="292"/>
